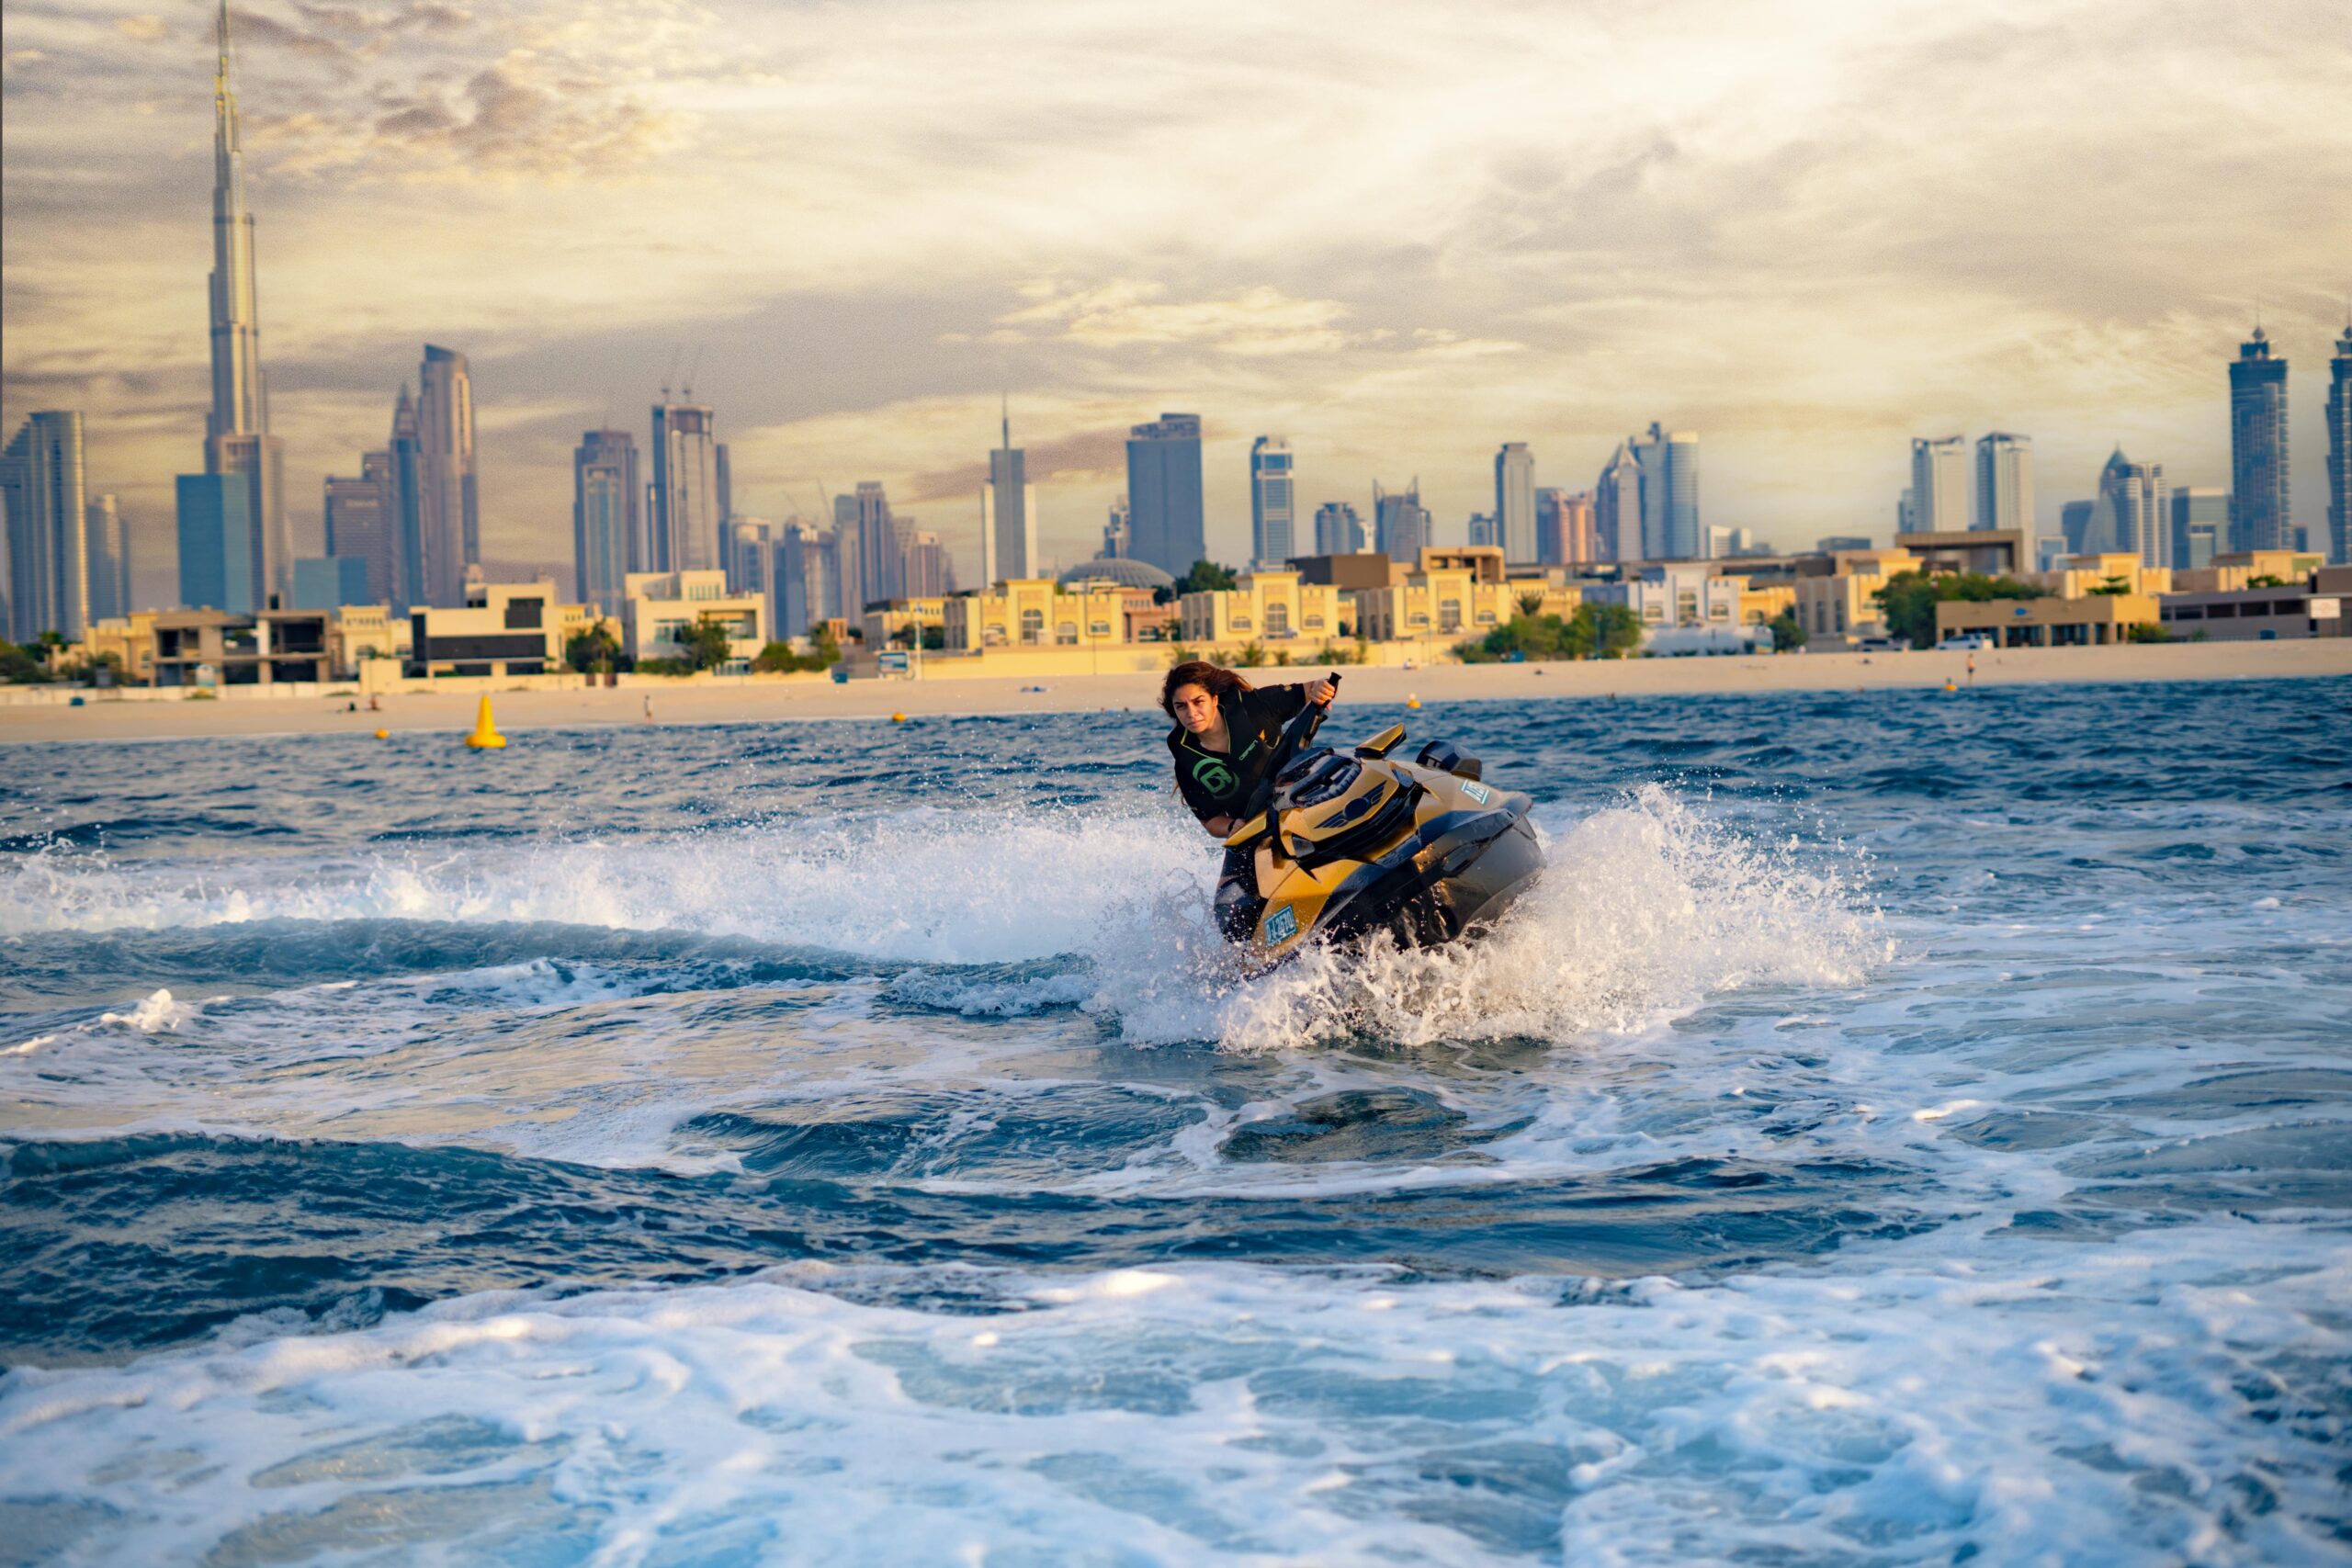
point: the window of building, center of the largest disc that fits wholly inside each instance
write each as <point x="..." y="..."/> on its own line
<point x="1312" y="623"/>
<point x="1066" y="633"/>
<point x="1278" y="620"/>
<point x="992" y="636"/>
<point x="1032" y="626"/>
<point x="1449" y="615"/>
<point x="1719" y="611"/>
<point x="1097" y="629"/>
<point x="1418" y="618"/>
<point x="1686" y="604"/>
<point x="1486" y="617"/>
<point x="523" y="615"/>
<point x="1241" y="623"/>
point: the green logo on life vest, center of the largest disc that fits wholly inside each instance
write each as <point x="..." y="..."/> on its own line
<point x="1214" y="776"/>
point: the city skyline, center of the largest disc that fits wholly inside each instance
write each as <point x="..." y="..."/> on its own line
<point x="1804" y="358"/>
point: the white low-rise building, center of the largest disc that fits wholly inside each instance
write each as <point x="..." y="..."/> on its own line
<point x="661" y="608"/>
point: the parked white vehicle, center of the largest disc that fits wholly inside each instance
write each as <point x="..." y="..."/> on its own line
<point x="1968" y="642"/>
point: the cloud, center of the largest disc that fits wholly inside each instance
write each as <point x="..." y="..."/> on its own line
<point x="1398" y="235"/>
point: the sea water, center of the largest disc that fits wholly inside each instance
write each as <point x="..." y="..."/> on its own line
<point x="1899" y="1128"/>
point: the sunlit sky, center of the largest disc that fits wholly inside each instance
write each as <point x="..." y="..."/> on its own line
<point x="1397" y="235"/>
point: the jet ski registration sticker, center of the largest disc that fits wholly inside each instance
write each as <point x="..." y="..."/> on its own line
<point x="1282" y="925"/>
<point x="1477" y="792"/>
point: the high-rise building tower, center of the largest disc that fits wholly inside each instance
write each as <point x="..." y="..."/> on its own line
<point x="356" y="526"/>
<point x="1116" y="531"/>
<point x="2339" y="450"/>
<point x="606" y="533"/>
<point x="1482" y="530"/>
<point x="1008" y="511"/>
<point x="2258" y="515"/>
<point x="44" y="486"/>
<point x="1272" y="511"/>
<point x="448" y="515"/>
<point x="1165" y="521"/>
<point x="1617" y="506"/>
<point x="881" y="556"/>
<point x="216" y="540"/>
<point x="405" y="505"/>
<point x="1939" y="484"/>
<point x="2005" y="487"/>
<point x="236" y="433"/>
<point x="1338" y="530"/>
<point x="1400" y="524"/>
<point x="1564" y="530"/>
<point x="723" y="485"/>
<point x="1514" y="513"/>
<point x="799" y="596"/>
<point x="2201" y="526"/>
<point x="109" y="551"/>
<point x="683" y="530"/>
<point x="2133" y="515"/>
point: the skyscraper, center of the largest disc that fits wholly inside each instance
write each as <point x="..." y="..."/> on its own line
<point x="236" y="433"/>
<point x="1116" y="532"/>
<point x="723" y="483"/>
<point x="2075" y="524"/>
<point x="216" y="539"/>
<point x="2005" y="487"/>
<point x="404" y="490"/>
<point x="929" y="572"/>
<point x="683" y="527"/>
<point x="797" y="598"/>
<point x="1008" y="511"/>
<point x="1272" y="512"/>
<point x="1617" y="506"/>
<point x="606" y="533"/>
<point x="1564" y="529"/>
<point x="2201" y="525"/>
<point x="1338" y="530"/>
<point x="2339" y="450"/>
<point x="1669" y="464"/>
<point x="2258" y="516"/>
<point x="1165" y="522"/>
<point x="356" y="527"/>
<point x="110" y="554"/>
<point x="2132" y="514"/>
<point x="1482" y="531"/>
<point x="1939" y="484"/>
<point x="750" y="559"/>
<point x="44" y="488"/>
<point x="1515" y="502"/>
<point x="448" y="516"/>
<point x="881" y="556"/>
<point x="1400" y="525"/>
<point x="846" y="579"/>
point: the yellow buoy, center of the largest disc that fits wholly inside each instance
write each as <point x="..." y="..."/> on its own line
<point x="898" y="718"/>
<point x="1949" y="687"/>
<point x="1411" y="701"/>
<point x="383" y="734"/>
<point x="485" y="737"/>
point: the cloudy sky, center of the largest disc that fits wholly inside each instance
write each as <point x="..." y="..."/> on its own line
<point x="1398" y="235"/>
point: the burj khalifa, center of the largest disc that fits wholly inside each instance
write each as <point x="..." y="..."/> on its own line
<point x="236" y="434"/>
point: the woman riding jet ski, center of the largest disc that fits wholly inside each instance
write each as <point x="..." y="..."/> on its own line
<point x="1324" y="846"/>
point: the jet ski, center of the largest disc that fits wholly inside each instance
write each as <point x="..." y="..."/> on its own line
<point x="1352" y="843"/>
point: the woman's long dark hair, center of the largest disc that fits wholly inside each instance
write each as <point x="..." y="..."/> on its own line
<point x="1218" y="682"/>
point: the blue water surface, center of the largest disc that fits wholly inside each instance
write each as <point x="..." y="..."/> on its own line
<point x="1901" y="1128"/>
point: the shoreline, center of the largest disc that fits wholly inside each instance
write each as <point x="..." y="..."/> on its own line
<point x="770" y="701"/>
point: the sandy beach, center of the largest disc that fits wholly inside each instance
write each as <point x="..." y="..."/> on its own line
<point x="44" y="715"/>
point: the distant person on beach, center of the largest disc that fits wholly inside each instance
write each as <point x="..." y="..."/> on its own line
<point x="1226" y="733"/>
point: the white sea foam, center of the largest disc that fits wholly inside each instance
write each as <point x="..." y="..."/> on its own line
<point x="1926" y="1405"/>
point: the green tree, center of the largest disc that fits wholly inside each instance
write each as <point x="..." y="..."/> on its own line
<point x="706" y="644"/>
<point x="2147" y="631"/>
<point x="595" y="649"/>
<point x="1908" y="601"/>
<point x="2266" y="580"/>
<point x="777" y="658"/>
<point x="1787" y="636"/>
<point x="2111" y="588"/>
<point x="1179" y="654"/>
<point x="1531" y="602"/>
<point x="1208" y="577"/>
<point x="22" y="668"/>
<point x="1252" y="656"/>
<point x="1595" y="631"/>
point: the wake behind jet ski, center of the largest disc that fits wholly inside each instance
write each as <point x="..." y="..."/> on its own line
<point x="1348" y="844"/>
